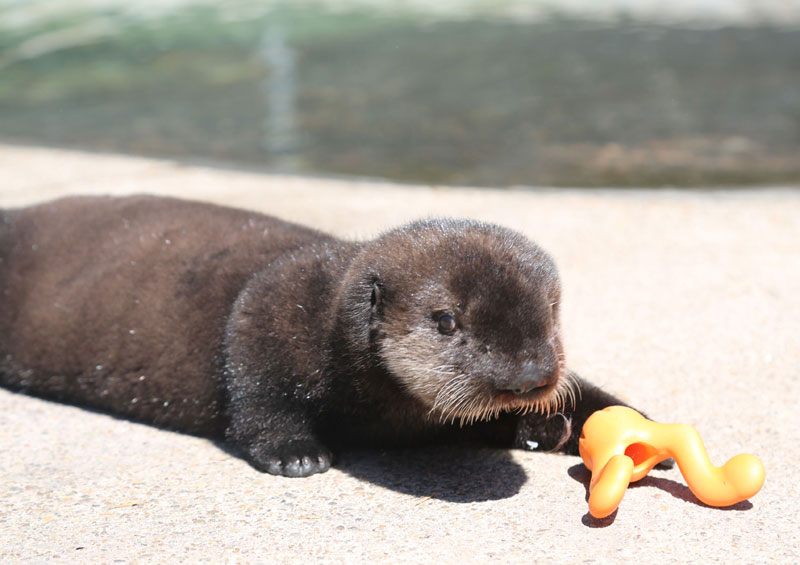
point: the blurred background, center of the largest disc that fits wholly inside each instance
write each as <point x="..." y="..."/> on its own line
<point x="479" y="92"/>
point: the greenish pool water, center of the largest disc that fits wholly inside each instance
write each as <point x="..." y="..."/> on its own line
<point x="474" y="99"/>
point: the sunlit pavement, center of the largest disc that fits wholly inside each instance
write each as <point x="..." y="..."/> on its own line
<point x="685" y="303"/>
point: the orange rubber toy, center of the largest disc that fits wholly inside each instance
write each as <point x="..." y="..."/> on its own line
<point x="620" y="446"/>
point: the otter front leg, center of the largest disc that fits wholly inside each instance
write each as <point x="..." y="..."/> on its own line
<point x="276" y="364"/>
<point x="560" y="431"/>
<point x="277" y="439"/>
<point x="270" y="416"/>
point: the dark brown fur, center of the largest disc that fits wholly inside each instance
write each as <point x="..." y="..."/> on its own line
<point x="215" y="321"/>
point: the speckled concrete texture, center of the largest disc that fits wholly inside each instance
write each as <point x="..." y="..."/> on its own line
<point x="685" y="303"/>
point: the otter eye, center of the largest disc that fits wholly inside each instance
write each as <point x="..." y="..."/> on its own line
<point x="447" y="324"/>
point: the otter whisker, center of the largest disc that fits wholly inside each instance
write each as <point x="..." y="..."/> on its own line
<point x="469" y="409"/>
<point x="462" y="398"/>
<point x="454" y="398"/>
<point x="437" y="370"/>
<point x="452" y="391"/>
<point x="566" y="433"/>
<point x="571" y="385"/>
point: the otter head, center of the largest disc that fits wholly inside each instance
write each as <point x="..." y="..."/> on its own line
<point x="464" y="316"/>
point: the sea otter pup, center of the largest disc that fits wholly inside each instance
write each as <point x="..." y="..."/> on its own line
<point x="289" y="342"/>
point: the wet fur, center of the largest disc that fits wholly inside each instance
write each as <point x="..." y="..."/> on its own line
<point x="287" y="341"/>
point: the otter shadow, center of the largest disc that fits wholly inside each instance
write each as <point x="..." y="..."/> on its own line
<point x="677" y="490"/>
<point x="452" y="473"/>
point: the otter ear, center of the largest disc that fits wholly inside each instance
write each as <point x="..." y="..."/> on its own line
<point x="376" y="301"/>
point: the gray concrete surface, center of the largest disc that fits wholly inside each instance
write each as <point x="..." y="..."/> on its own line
<point x="685" y="303"/>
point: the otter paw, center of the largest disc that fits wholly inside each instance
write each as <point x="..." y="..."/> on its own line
<point x="296" y="458"/>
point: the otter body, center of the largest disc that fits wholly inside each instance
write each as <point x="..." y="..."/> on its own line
<point x="288" y="342"/>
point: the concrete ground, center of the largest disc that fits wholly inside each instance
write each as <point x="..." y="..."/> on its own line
<point x="687" y="304"/>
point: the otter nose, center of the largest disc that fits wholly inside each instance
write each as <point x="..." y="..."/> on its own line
<point x="531" y="377"/>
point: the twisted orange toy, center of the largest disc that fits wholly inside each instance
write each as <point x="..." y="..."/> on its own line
<point x="620" y="446"/>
